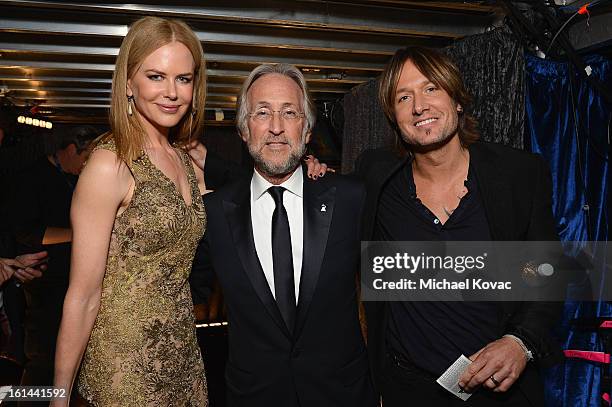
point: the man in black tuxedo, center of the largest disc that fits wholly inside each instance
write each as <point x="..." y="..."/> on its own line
<point x="286" y="252"/>
<point x="440" y="183"/>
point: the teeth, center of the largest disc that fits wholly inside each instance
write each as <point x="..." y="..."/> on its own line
<point x="425" y="122"/>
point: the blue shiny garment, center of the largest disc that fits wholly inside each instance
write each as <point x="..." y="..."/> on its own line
<point x="581" y="175"/>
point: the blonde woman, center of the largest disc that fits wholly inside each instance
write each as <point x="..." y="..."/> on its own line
<point x="137" y="216"/>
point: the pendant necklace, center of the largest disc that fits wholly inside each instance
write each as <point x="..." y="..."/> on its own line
<point x="459" y="194"/>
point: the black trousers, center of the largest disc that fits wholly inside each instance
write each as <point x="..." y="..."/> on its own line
<point x="406" y="385"/>
<point x="14" y="307"/>
<point x="44" y="303"/>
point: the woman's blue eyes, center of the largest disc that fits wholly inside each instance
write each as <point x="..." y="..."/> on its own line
<point x="182" y="79"/>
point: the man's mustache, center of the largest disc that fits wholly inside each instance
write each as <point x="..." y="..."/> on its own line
<point x="277" y="139"/>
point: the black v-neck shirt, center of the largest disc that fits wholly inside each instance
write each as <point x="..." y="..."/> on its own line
<point x="434" y="334"/>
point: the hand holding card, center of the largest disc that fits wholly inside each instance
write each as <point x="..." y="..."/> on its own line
<point x="450" y="378"/>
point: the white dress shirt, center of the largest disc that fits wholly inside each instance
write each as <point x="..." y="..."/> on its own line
<point x="262" y="208"/>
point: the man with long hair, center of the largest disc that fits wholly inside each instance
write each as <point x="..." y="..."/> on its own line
<point x="442" y="184"/>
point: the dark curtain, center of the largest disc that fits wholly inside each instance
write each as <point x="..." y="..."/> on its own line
<point x="492" y="65"/>
<point x="568" y="123"/>
<point x="225" y="141"/>
<point x="365" y="125"/>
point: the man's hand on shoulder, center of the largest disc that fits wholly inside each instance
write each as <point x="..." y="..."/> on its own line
<point x="197" y="151"/>
<point x="316" y="168"/>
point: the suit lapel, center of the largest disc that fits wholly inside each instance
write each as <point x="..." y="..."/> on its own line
<point x="496" y="194"/>
<point x="319" y="203"/>
<point x="375" y="181"/>
<point x="238" y="214"/>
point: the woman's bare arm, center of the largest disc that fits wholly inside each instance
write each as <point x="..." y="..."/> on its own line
<point x="103" y="188"/>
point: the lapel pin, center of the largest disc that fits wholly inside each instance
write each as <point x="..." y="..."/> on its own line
<point x="323" y="208"/>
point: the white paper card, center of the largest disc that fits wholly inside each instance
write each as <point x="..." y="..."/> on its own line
<point x="450" y="379"/>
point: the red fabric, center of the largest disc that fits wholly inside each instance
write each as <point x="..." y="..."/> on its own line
<point x="606" y="324"/>
<point x="583" y="9"/>
<point x="599" y="357"/>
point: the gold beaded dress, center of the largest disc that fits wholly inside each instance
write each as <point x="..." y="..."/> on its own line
<point x="143" y="349"/>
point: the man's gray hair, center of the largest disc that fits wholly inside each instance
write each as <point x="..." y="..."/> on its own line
<point x="290" y="71"/>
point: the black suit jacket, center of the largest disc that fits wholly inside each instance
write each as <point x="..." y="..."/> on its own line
<point x="516" y="191"/>
<point x="324" y="363"/>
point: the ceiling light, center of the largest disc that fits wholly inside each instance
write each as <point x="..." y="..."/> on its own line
<point x="35" y="122"/>
<point x="219" y="116"/>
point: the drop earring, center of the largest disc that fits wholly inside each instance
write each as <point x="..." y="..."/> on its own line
<point x="192" y="115"/>
<point x="130" y="101"/>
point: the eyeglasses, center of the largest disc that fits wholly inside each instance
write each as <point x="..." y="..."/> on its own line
<point x="265" y="114"/>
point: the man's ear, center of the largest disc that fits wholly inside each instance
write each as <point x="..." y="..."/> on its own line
<point x="243" y="137"/>
<point x="459" y="108"/>
<point x="307" y="139"/>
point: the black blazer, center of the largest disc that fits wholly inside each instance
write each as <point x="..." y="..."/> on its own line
<point x="516" y="191"/>
<point x="325" y="362"/>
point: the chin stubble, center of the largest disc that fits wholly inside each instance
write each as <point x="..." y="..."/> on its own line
<point x="279" y="169"/>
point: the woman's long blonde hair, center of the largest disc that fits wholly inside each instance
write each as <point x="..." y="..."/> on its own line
<point x="144" y="37"/>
